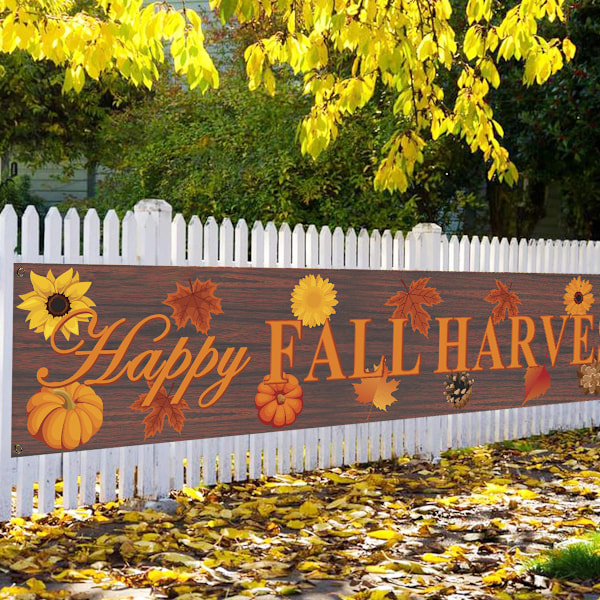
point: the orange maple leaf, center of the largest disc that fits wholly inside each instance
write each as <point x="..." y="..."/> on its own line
<point x="377" y="391"/>
<point x="161" y="406"/>
<point x="537" y="382"/>
<point x="411" y="301"/>
<point x="195" y="303"/>
<point x="507" y="301"/>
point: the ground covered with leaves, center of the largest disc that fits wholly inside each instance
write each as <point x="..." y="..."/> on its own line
<point x="459" y="528"/>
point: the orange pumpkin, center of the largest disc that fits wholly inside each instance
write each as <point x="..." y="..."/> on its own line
<point x="64" y="418"/>
<point x="279" y="403"/>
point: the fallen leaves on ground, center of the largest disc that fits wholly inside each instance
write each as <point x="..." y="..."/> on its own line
<point x="404" y="529"/>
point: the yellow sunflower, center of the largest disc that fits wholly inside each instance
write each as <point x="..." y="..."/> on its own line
<point x="52" y="299"/>
<point x="313" y="300"/>
<point x="577" y="298"/>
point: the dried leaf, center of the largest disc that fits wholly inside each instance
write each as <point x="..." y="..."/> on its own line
<point x="377" y="390"/>
<point x="161" y="407"/>
<point x="507" y="302"/>
<point x="411" y="303"/>
<point x="195" y="302"/>
<point x="537" y="382"/>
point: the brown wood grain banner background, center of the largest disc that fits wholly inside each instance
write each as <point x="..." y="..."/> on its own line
<point x="249" y="298"/>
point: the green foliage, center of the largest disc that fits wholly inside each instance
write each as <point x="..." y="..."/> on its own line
<point x="234" y="154"/>
<point x="17" y="191"/>
<point x="580" y="560"/>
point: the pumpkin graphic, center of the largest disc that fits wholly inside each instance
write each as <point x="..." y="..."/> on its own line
<point x="64" y="418"/>
<point x="279" y="403"/>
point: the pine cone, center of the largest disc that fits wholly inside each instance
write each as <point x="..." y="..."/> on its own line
<point x="459" y="387"/>
<point x="589" y="377"/>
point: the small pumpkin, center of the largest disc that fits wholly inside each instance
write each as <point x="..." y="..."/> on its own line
<point x="64" y="418"/>
<point x="279" y="403"/>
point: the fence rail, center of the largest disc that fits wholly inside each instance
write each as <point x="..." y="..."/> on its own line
<point x="150" y="236"/>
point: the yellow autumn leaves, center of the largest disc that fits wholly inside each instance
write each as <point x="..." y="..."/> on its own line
<point x="404" y="45"/>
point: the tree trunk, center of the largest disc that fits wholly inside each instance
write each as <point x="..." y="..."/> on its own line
<point x="91" y="179"/>
<point x="4" y="165"/>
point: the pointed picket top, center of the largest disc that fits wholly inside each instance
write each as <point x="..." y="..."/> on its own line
<point x="257" y="244"/>
<point x="444" y="253"/>
<point x="241" y="244"/>
<point x="270" y="251"/>
<point x="325" y="239"/>
<point x="513" y="255"/>
<point x="375" y="250"/>
<point x="211" y="242"/>
<point x="398" y="252"/>
<point x="53" y="236"/>
<point x="484" y="254"/>
<point x="284" y="248"/>
<point x="195" y="243"/>
<point x="474" y="253"/>
<point x="464" y="254"/>
<point x="129" y="236"/>
<point x="503" y="255"/>
<point x="110" y="238"/>
<point x="558" y="260"/>
<point x="454" y="254"/>
<point x="312" y="247"/>
<point x="30" y="235"/>
<point x="410" y="251"/>
<point x="549" y="255"/>
<point x="8" y="232"/>
<point x="226" y="243"/>
<point x="363" y="250"/>
<point x="298" y="246"/>
<point x="522" y="254"/>
<point x="351" y="258"/>
<point x="178" y="235"/>
<point x="387" y="249"/>
<point x="91" y="237"/>
<point x="72" y="236"/>
<point x="337" y="248"/>
<point x="495" y="254"/>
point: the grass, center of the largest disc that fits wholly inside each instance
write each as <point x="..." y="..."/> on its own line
<point x="579" y="561"/>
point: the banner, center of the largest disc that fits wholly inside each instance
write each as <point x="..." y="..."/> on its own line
<point x="110" y="356"/>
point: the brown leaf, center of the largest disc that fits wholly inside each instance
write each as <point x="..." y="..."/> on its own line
<point x="377" y="390"/>
<point x="194" y="302"/>
<point x="537" y="382"/>
<point x="411" y="301"/>
<point x="507" y="301"/>
<point x="161" y="406"/>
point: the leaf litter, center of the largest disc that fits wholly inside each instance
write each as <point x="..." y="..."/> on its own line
<point x="408" y="529"/>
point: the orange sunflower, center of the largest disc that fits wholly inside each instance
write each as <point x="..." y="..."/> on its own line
<point x="578" y="297"/>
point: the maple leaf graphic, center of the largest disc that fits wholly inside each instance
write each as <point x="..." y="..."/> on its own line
<point x="411" y="301"/>
<point x="507" y="301"/>
<point x="161" y="406"/>
<point x="376" y="391"/>
<point x="195" y="303"/>
<point x="537" y="382"/>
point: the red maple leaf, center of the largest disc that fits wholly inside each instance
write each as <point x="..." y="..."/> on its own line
<point x="195" y="302"/>
<point x="507" y="302"/>
<point x="161" y="407"/>
<point x="537" y="382"/>
<point x="411" y="301"/>
<point x="377" y="391"/>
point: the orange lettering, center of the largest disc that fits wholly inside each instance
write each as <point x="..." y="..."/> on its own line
<point x="277" y="349"/>
<point x="579" y="338"/>
<point x="461" y="344"/>
<point x="517" y="343"/>
<point x="490" y="337"/>
<point x="331" y="359"/>
<point x="553" y="346"/>
<point x="360" y="349"/>
<point x="398" y="350"/>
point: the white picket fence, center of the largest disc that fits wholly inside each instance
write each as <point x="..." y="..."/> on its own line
<point x="149" y="235"/>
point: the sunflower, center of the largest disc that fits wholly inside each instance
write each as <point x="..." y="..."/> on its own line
<point x="577" y="298"/>
<point x="52" y="299"/>
<point x="313" y="300"/>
